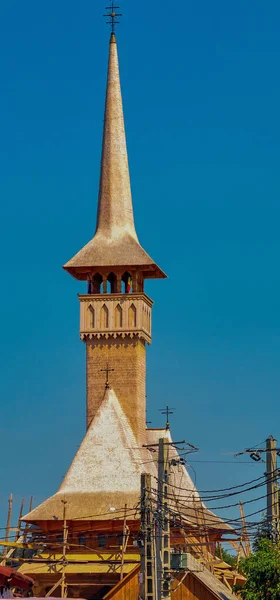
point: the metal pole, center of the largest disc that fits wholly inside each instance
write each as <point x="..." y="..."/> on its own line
<point x="163" y="523"/>
<point x="147" y="581"/>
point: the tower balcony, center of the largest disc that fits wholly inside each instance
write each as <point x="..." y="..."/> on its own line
<point x="114" y="315"/>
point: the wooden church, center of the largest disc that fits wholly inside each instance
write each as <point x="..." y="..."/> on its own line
<point x="91" y="527"/>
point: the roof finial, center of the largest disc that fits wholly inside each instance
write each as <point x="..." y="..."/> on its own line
<point x="107" y="371"/>
<point x="112" y="15"/>
<point x="167" y="411"/>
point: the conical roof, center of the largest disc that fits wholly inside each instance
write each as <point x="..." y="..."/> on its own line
<point x="115" y="242"/>
<point x="104" y="474"/>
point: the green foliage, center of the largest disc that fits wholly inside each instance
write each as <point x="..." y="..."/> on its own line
<point x="264" y="531"/>
<point x="262" y="570"/>
<point x="229" y="558"/>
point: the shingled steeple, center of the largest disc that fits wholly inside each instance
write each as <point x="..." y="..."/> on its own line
<point x="115" y="243"/>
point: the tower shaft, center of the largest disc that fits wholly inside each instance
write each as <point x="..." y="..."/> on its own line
<point x="115" y="328"/>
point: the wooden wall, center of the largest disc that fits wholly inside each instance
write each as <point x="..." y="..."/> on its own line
<point x="190" y="589"/>
<point x="127" y="589"/>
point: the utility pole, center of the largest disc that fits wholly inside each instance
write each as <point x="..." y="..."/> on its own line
<point x="162" y="533"/>
<point x="272" y="475"/>
<point x="163" y="523"/>
<point x="272" y="488"/>
<point x="147" y="581"/>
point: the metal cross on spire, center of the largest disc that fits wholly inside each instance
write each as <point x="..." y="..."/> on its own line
<point x="107" y="371"/>
<point x="167" y="411"/>
<point x="112" y="15"/>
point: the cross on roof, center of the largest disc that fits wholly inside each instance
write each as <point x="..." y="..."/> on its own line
<point x="107" y="371"/>
<point x="167" y="411"/>
<point x="112" y="15"/>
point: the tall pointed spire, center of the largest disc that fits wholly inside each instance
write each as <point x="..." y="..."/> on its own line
<point x="115" y="242"/>
<point x="115" y="213"/>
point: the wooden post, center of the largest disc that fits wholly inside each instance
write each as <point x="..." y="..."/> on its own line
<point x="124" y="540"/>
<point x="8" y="526"/>
<point x="245" y="536"/>
<point x="119" y="283"/>
<point x="26" y="524"/>
<point x="19" y="519"/>
<point x="64" y="561"/>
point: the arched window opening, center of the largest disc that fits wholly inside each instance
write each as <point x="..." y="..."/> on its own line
<point x="132" y="316"/>
<point x="104" y="317"/>
<point x="118" y="316"/>
<point x="91" y="317"/>
<point x="97" y="285"/>
<point x="112" y="279"/>
<point x="127" y="281"/>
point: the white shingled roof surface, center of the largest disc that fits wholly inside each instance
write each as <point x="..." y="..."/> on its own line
<point x="108" y="458"/>
<point x="106" y="470"/>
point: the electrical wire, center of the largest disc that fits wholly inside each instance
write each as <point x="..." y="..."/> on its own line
<point x="194" y="490"/>
<point x="232" y="487"/>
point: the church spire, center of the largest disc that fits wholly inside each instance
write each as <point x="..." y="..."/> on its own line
<point x="115" y="213"/>
<point x="115" y="243"/>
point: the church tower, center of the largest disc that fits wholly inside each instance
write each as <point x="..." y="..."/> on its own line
<point x="90" y="529"/>
<point x="115" y="313"/>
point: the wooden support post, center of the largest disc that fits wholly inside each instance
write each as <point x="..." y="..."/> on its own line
<point x="64" y="561"/>
<point x="8" y="526"/>
<point x="147" y="570"/>
<point x="54" y="587"/>
<point x="124" y="540"/>
<point x="245" y="536"/>
<point x="19" y="519"/>
<point x="119" y="284"/>
<point x="26" y="525"/>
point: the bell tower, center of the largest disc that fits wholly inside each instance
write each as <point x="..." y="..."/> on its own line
<point x="115" y="313"/>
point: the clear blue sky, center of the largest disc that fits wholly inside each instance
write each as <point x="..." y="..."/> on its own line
<point x="201" y="95"/>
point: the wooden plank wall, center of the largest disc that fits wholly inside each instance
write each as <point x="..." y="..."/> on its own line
<point x="190" y="589"/>
<point x="127" y="589"/>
